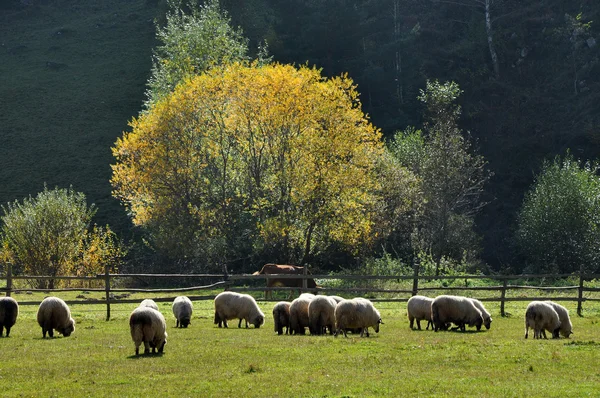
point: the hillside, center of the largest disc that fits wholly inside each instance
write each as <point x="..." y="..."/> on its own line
<point x="73" y="74"/>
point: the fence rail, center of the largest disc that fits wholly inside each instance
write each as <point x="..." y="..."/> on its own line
<point x="230" y="281"/>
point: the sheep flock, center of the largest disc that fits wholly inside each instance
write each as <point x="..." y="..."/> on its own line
<point x="317" y="314"/>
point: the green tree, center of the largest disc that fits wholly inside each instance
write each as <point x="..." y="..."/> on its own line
<point x="50" y="235"/>
<point x="268" y="157"/>
<point x="559" y="223"/>
<point x="191" y="43"/>
<point x="452" y="176"/>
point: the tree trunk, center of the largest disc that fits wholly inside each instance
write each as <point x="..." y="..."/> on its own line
<point x="490" y="39"/>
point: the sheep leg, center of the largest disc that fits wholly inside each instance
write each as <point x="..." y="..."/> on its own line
<point x="419" y="324"/>
<point x="146" y="347"/>
<point x="2" y="330"/>
<point x="225" y="323"/>
<point x="177" y="324"/>
<point x="7" y="331"/>
<point x="429" y="323"/>
<point x="412" y="322"/>
<point x="51" y="333"/>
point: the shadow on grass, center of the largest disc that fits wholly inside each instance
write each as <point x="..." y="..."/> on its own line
<point x="149" y="355"/>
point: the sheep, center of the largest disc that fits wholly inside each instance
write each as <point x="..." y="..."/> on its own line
<point x="148" y="325"/>
<point x="281" y="317"/>
<point x="487" y="317"/>
<point x="541" y="316"/>
<point x="9" y="310"/>
<point x="419" y="308"/>
<point x="299" y="313"/>
<point x="357" y="313"/>
<point x="321" y="315"/>
<point x="182" y="309"/>
<point x="459" y="310"/>
<point x="149" y="303"/>
<point x="566" y="328"/>
<point x="230" y="305"/>
<point x="54" y="314"/>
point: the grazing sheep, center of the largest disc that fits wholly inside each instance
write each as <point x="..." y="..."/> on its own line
<point x="487" y="317"/>
<point x="321" y="315"/>
<point x="54" y="314"/>
<point x="281" y="317"/>
<point x="231" y="305"/>
<point x="447" y="309"/>
<point x="9" y="310"/>
<point x="419" y="308"/>
<point x="566" y="328"/>
<point x="541" y="316"/>
<point x="149" y="303"/>
<point x="148" y="325"/>
<point x="182" y="309"/>
<point x="299" y="313"/>
<point x="358" y="313"/>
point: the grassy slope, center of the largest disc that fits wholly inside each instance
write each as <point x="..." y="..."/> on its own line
<point x="73" y="74"/>
<point x="202" y="360"/>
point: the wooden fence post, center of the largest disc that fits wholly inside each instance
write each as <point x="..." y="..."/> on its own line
<point x="107" y="288"/>
<point x="304" y="282"/>
<point x="415" y="287"/>
<point x="503" y="296"/>
<point x="8" y="279"/>
<point x="580" y="296"/>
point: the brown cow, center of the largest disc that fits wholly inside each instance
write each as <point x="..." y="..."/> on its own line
<point x="277" y="269"/>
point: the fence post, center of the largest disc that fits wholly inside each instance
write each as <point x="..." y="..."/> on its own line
<point x="304" y="282"/>
<point x="503" y="296"/>
<point x="580" y="297"/>
<point x="8" y="279"/>
<point x="415" y="288"/>
<point x="107" y="288"/>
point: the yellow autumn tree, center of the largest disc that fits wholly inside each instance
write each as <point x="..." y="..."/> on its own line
<point x="250" y="158"/>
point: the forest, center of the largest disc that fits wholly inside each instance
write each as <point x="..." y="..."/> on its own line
<point x="516" y="84"/>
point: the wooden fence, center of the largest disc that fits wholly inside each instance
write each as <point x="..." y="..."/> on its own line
<point x="240" y="282"/>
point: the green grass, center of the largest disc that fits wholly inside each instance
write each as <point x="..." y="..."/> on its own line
<point x="98" y="359"/>
<point x="73" y="75"/>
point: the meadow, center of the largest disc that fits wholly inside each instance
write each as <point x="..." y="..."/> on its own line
<point x="98" y="358"/>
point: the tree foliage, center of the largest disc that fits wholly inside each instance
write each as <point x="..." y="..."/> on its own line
<point x="191" y="43"/>
<point x="267" y="159"/>
<point x="559" y="223"/>
<point x="49" y="235"/>
<point x="452" y="176"/>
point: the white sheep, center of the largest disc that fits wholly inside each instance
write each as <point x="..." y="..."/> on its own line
<point x="541" y="316"/>
<point x="231" y="305"/>
<point x="281" y="317"/>
<point x="357" y="313"/>
<point x="419" y="308"/>
<point x="9" y="310"/>
<point x="149" y="303"/>
<point x="487" y="317"/>
<point x="321" y="315"/>
<point x="182" y="309"/>
<point x="299" y="313"/>
<point x="54" y="314"/>
<point x="148" y="325"/>
<point x="446" y="309"/>
<point x="566" y="328"/>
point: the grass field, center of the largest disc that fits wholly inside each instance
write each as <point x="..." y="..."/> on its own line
<point x="202" y="360"/>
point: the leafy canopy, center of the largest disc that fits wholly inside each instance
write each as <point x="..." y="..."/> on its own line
<point x="49" y="235"/>
<point x="559" y="223"/>
<point x="264" y="158"/>
<point x="191" y="43"/>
